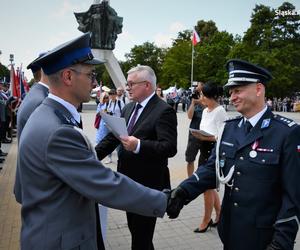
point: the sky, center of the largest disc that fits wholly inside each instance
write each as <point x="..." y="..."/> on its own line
<point x="30" y="27"/>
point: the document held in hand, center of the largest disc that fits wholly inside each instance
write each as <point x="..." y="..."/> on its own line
<point x="117" y="125"/>
<point x="202" y="132"/>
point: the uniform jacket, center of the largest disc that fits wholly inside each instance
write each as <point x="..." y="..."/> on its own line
<point x="32" y="100"/>
<point x="157" y="130"/>
<point x="263" y="203"/>
<point x="61" y="180"/>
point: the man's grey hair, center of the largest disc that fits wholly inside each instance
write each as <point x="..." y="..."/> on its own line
<point x="146" y="73"/>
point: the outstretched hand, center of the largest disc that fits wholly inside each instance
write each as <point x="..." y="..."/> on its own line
<point x="176" y="199"/>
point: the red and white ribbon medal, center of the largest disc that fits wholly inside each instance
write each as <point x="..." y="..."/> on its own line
<point x="253" y="152"/>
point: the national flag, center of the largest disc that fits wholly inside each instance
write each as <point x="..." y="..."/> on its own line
<point x="196" y="38"/>
<point x="14" y="83"/>
<point x="22" y="88"/>
<point x="25" y="82"/>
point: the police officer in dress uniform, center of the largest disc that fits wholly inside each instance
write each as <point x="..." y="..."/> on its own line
<point x="257" y="157"/>
<point x="60" y="175"/>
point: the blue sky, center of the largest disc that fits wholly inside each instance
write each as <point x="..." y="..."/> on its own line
<point x="29" y="27"/>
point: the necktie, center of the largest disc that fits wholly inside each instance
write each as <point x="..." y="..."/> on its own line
<point x="133" y="118"/>
<point x="247" y="127"/>
<point x="79" y="124"/>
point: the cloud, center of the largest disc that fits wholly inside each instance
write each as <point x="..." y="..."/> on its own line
<point x="126" y="36"/>
<point x="176" y="27"/>
<point x="166" y="39"/>
<point x="163" y="40"/>
<point x="67" y="7"/>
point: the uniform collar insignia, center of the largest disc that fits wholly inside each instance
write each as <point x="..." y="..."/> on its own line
<point x="265" y="123"/>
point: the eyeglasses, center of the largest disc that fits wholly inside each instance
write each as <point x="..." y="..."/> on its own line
<point x="131" y="84"/>
<point x="92" y="75"/>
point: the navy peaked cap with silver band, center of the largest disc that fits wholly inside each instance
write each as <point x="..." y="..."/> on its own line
<point x="33" y="65"/>
<point x="242" y="72"/>
<point x="73" y="52"/>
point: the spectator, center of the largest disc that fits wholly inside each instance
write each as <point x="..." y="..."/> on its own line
<point x="212" y="121"/>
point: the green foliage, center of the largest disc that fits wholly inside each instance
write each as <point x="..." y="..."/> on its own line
<point x="272" y="41"/>
<point x="176" y="68"/>
<point x="4" y="72"/>
<point x="147" y="54"/>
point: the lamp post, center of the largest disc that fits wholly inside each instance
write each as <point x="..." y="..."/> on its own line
<point x="11" y="58"/>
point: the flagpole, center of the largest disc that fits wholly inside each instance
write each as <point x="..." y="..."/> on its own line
<point x="192" y="69"/>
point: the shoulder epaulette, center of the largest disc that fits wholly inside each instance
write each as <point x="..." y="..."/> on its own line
<point x="233" y="118"/>
<point x="286" y="121"/>
<point x="64" y="119"/>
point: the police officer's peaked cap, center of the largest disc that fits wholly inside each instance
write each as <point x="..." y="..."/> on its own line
<point x="33" y="65"/>
<point x="75" y="51"/>
<point x="242" y="73"/>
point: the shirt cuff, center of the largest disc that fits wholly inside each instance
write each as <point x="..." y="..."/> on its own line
<point x="137" y="150"/>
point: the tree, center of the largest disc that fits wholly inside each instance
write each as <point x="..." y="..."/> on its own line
<point x="273" y="41"/>
<point x="4" y="72"/>
<point x="211" y="57"/>
<point x="147" y="54"/>
<point x="176" y="68"/>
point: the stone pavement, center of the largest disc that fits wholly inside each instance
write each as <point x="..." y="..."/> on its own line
<point x="169" y="234"/>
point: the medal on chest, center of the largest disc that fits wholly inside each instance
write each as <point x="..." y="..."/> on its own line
<point x="253" y="152"/>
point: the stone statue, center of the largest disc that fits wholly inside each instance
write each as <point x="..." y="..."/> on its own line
<point x="104" y="23"/>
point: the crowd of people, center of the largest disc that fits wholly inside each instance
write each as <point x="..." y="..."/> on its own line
<point x="184" y="97"/>
<point x="8" y="107"/>
<point x="60" y="179"/>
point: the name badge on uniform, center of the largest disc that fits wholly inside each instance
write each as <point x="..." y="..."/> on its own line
<point x="265" y="123"/>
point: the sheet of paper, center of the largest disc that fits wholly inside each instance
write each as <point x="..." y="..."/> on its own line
<point x="202" y="132"/>
<point x="117" y="125"/>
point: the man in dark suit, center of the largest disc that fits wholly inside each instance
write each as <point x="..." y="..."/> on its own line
<point x="143" y="155"/>
<point x="257" y="157"/>
<point x="61" y="177"/>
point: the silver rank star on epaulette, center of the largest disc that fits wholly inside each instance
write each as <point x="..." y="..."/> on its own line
<point x="285" y="120"/>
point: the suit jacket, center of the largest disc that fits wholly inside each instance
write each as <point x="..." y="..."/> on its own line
<point x="157" y="130"/>
<point x="264" y="202"/>
<point x="32" y="100"/>
<point x="61" y="180"/>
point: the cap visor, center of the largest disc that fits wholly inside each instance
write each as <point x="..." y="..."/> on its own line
<point x="93" y="62"/>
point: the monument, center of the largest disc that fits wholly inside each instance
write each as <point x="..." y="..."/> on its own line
<point x="105" y="25"/>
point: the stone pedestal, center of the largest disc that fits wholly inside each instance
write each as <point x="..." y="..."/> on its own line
<point x="112" y="66"/>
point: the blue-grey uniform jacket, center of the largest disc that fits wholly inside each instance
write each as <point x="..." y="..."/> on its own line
<point x="61" y="179"/>
<point x="263" y="201"/>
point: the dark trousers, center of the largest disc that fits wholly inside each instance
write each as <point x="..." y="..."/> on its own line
<point x="142" y="230"/>
<point x="100" y="242"/>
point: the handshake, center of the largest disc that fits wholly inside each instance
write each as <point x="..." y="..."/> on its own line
<point x="176" y="199"/>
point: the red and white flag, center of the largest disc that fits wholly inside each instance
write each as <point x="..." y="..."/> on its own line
<point x="196" y="38"/>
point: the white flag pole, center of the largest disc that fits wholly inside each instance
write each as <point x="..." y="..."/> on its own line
<point x="192" y="69"/>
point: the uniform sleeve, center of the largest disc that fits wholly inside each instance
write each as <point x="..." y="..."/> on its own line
<point x="287" y="224"/>
<point x="69" y="159"/>
<point x="106" y="146"/>
<point x="203" y="179"/>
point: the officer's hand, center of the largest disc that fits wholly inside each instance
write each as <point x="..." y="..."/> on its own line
<point x="274" y="246"/>
<point x="176" y="199"/>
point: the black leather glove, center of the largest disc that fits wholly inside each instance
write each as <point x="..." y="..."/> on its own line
<point x="274" y="246"/>
<point x="176" y="199"/>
